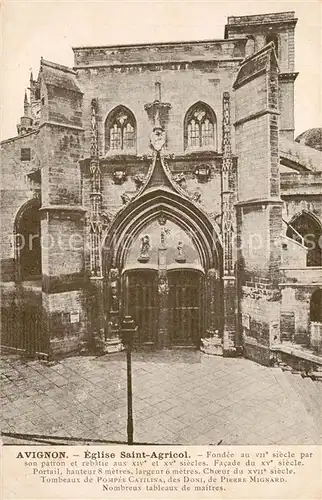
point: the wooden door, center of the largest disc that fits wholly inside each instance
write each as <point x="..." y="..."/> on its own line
<point x="141" y="302"/>
<point x="185" y="307"/>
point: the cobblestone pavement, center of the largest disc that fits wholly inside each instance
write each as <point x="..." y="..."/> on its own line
<point x="180" y="397"/>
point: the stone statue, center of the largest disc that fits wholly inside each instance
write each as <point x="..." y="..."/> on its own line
<point x="163" y="286"/>
<point x="145" y="249"/>
<point x="180" y="255"/>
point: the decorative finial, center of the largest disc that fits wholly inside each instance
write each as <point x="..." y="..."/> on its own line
<point x="25" y="104"/>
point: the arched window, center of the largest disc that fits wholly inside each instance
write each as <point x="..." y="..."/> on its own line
<point x="27" y="242"/>
<point x="316" y="306"/>
<point x="200" y="127"/>
<point x="120" y="130"/>
<point x="274" y="39"/>
<point x="306" y="229"/>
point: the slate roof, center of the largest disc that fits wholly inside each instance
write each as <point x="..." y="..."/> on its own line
<point x="312" y="138"/>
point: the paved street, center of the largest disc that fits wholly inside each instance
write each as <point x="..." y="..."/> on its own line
<point x="181" y="397"/>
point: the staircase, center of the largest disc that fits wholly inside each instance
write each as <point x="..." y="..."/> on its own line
<point x="306" y="390"/>
<point x="297" y="359"/>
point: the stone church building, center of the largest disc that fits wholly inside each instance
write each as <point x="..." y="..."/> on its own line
<point x="163" y="181"/>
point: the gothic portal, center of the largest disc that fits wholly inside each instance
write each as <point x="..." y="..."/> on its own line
<point x="163" y="181"/>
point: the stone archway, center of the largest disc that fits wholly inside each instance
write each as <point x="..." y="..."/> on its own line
<point x="166" y="265"/>
<point x="27" y="241"/>
<point x="163" y="286"/>
<point x="23" y="320"/>
<point x="306" y="228"/>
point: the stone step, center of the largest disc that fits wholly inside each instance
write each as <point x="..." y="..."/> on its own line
<point x="308" y="394"/>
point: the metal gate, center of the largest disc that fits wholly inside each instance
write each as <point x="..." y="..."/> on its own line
<point x="185" y="307"/>
<point x="141" y="302"/>
<point x="22" y="330"/>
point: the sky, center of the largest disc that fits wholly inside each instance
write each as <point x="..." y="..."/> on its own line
<point x="31" y="29"/>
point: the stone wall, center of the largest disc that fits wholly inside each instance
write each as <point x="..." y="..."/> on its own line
<point x="182" y="85"/>
<point x="261" y="29"/>
<point x="258" y="207"/>
<point x="66" y="319"/>
<point x="295" y="312"/>
<point x="16" y="189"/>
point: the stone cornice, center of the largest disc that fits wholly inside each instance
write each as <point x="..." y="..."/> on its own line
<point x="259" y="201"/>
<point x="17" y="137"/>
<point x="60" y="124"/>
<point x="289" y="76"/>
<point x="63" y="208"/>
<point x="152" y="44"/>
<point x="161" y="64"/>
<point x="257" y="115"/>
<point x="128" y="160"/>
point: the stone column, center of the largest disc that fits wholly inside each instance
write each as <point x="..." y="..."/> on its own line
<point x="227" y="226"/>
<point x="112" y="341"/>
<point x="163" y="290"/>
<point x="212" y="344"/>
<point x="95" y="228"/>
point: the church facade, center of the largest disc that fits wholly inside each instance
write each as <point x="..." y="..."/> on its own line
<point x="163" y="181"/>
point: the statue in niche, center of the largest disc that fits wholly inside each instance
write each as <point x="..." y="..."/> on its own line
<point x="164" y="231"/>
<point x="145" y="249"/>
<point x="180" y="254"/>
<point x="114" y="290"/>
<point x="163" y="286"/>
<point x="114" y="297"/>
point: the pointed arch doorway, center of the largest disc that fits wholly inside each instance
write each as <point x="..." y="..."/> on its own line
<point x="162" y="260"/>
<point x="175" y="320"/>
<point x="164" y="286"/>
